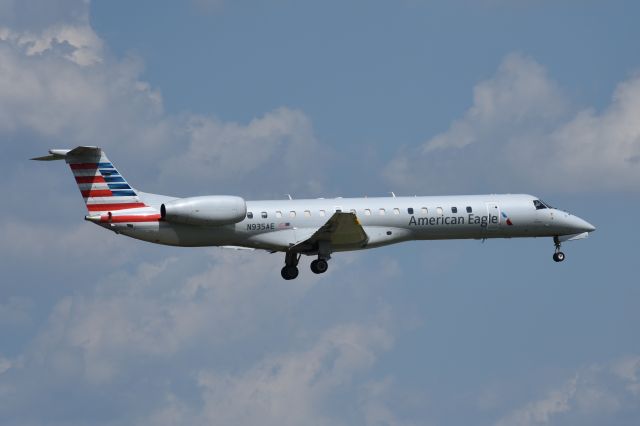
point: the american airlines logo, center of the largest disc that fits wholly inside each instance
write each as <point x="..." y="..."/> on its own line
<point x="508" y="221"/>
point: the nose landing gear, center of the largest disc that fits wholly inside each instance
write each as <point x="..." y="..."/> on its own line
<point x="558" y="256"/>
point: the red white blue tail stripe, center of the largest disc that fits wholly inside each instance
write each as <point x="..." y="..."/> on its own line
<point x="103" y="188"/>
<point x="106" y="193"/>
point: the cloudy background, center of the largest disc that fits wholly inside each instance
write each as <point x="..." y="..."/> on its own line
<point x="336" y="98"/>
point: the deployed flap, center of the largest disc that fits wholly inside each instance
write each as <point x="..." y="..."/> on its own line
<point x="342" y="229"/>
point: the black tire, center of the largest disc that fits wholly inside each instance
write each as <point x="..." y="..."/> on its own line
<point x="319" y="266"/>
<point x="558" y="257"/>
<point x="289" y="272"/>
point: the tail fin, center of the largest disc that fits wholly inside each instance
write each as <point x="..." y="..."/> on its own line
<point x="104" y="189"/>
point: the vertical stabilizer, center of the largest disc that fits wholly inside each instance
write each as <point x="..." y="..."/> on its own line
<point x="103" y="188"/>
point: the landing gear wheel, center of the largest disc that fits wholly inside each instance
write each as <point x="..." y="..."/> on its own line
<point x="290" y="269"/>
<point x="289" y="272"/>
<point x="558" y="256"/>
<point x="319" y="266"/>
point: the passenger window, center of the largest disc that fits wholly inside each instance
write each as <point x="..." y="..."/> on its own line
<point x="410" y="210"/>
<point x="396" y="211"/>
<point x="469" y="209"/>
<point x="382" y="212"/>
<point x="439" y="211"/>
<point x="424" y="211"/>
<point x="264" y="215"/>
<point x="367" y="212"/>
<point x="249" y="215"/>
<point x="292" y="213"/>
<point x="322" y="213"/>
<point x="307" y="213"/>
<point x="278" y="213"/>
<point x="454" y="210"/>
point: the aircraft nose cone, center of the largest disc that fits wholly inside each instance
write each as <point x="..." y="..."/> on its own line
<point x="582" y="225"/>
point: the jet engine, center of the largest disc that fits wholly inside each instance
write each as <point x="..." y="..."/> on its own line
<point x="211" y="210"/>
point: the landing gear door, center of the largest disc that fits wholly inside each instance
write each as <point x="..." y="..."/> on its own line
<point x="493" y="216"/>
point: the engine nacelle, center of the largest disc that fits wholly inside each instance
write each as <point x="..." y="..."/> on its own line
<point x="211" y="210"/>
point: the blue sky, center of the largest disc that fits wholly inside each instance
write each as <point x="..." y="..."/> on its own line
<point x="267" y="97"/>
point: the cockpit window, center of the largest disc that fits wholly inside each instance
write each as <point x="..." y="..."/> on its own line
<point x="539" y="205"/>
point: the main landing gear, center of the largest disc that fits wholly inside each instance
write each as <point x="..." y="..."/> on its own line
<point x="290" y="269"/>
<point x="558" y="256"/>
<point x="319" y="266"/>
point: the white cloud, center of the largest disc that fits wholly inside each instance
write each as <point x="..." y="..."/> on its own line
<point x="628" y="369"/>
<point x="208" y="320"/>
<point x="50" y="96"/>
<point x="85" y="47"/>
<point x="375" y="397"/>
<point x="520" y="96"/>
<point x="57" y="87"/>
<point x="281" y="144"/>
<point x="602" y="150"/>
<point x="520" y="134"/>
<point x="293" y="388"/>
<point x="56" y="245"/>
<point x="540" y="412"/>
<point x="595" y="394"/>
<point x="165" y="308"/>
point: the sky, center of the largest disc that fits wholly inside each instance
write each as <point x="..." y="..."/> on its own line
<point x="262" y="98"/>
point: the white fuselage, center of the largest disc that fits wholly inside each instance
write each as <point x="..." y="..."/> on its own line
<point x="277" y="225"/>
<point x="305" y="227"/>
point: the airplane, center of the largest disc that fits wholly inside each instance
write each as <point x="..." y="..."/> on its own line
<point x="311" y="227"/>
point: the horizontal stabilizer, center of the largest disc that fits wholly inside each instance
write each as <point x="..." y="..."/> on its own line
<point x="61" y="154"/>
<point x="54" y="154"/>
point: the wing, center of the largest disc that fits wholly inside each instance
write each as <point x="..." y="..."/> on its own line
<point x="341" y="230"/>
